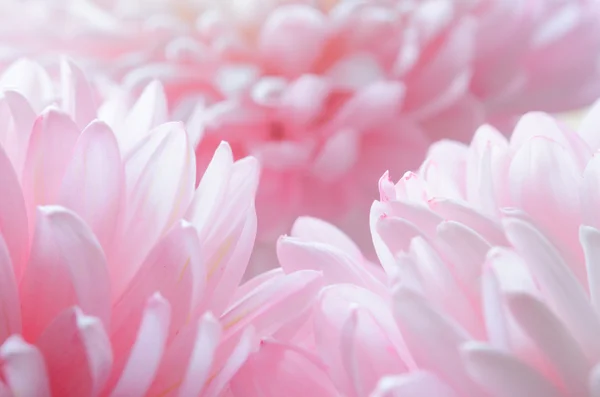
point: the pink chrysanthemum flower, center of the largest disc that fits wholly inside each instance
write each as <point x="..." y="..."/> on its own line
<point x="490" y="280"/>
<point x="327" y="94"/>
<point x="118" y="276"/>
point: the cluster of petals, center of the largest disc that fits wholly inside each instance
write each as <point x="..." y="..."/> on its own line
<point x="327" y="94"/>
<point x="119" y="274"/>
<point x="489" y="276"/>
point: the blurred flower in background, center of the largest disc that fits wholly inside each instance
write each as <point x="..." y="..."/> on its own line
<point x="326" y="94"/>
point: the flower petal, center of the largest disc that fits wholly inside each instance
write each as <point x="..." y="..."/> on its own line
<point x="10" y="305"/>
<point x="67" y="267"/>
<point x="13" y="216"/>
<point x="553" y="338"/>
<point x="51" y="146"/>
<point x="146" y="353"/>
<point x="281" y="369"/>
<point x="433" y="340"/>
<point x="558" y="282"/>
<point x="78" y="354"/>
<point x="77" y="96"/>
<point x="23" y="369"/>
<point x="93" y="185"/>
<point x="414" y="384"/>
<point x="160" y="178"/>
<point x="503" y="375"/>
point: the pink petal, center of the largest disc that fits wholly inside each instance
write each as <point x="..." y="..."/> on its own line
<point x="442" y="286"/>
<point x="239" y="198"/>
<point x="493" y="307"/>
<point x="377" y="334"/>
<point x="337" y="156"/>
<point x="198" y="370"/>
<point x="372" y="106"/>
<point x="590" y="193"/>
<point x="305" y="26"/>
<point x="51" y="146"/>
<point x="77" y="95"/>
<point x="415" y="384"/>
<point x="433" y="340"/>
<point x="443" y="76"/>
<point x="590" y="241"/>
<point x="10" y="306"/>
<point x="160" y="177"/>
<point x="188" y="362"/>
<point x="544" y="182"/>
<point x="466" y="249"/>
<point x="93" y="185"/>
<point x="13" y="216"/>
<point x="313" y="229"/>
<point x="304" y="99"/>
<point x="226" y="268"/>
<point x="567" y="296"/>
<point x="272" y="304"/>
<point x="336" y="265"/>
<point x="211" y="189"/>
<point x="486" y="227"/>
<point x="147" y="113"/>
<point x="503" y="375"/>
<point x="537" y="124"/>
<point x="594" y="382"/>
<point x="365" y="363"/>
<point x="397" y="233"/>
<point x="235" y="361"/>
<point x="255" y="281"/>
<point x="23" y="119"/>
<point x="589" y="128"/>
<point x="281" y="369"/>
<point x="30" y="80"/>
<point x="147" y="350"/>
<point x="23" y="369"/>
<point x="169" y="270"/>
<point x="487" y="162"/>
<point x="66" y="267"/>
<point x="78" y="354"/>
<point x="554" y="339"/>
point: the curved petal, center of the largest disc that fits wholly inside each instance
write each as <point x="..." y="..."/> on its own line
<point x="66" y="267"/>
<point x="553" y="338"/>
<point x="93" y="185"/>
<point x="503" y="375"/>
<point x="433" y="340"/>
<point x="13" y="216"/>
<point x="188" y="362"/>
<point x="281" y="369"/>
<point x="313" y="229"/>
<point x="51" y="146"/>
<point x="10" y="305"/>
<point x="160" y="178"/>
<point x="137" y="373"/>
<point x="565" y="294"/>
<point x="77" y="96"/>
<point x="78" y="354"/>
<point x="414" y="384"/>
<point x="169" y="269"/>
<point x="23" y="368"/>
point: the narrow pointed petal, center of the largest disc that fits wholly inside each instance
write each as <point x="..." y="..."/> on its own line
<point x="147" y="350"/>
<point x="93" y="185"/>
<point x="503" y="375"/>
<point x="67" y="267"/>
